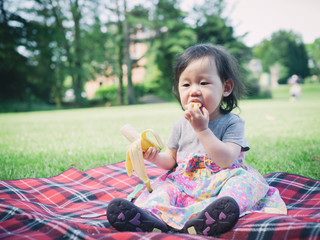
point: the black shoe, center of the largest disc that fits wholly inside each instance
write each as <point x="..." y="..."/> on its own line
<point x="125" y="216"/>
<point x="217" y="218"/>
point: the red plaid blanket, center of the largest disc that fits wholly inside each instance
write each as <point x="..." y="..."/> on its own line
<point x="51" y="208"/>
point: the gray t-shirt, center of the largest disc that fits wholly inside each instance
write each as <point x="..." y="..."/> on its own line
<point x="227" y="128"/>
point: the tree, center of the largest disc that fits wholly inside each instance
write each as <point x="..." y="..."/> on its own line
<point x="14" y="66"/>
<point x="213" y="28"/>
<point x="128" y="61"/>
<point x="47" y="79"/>
<point x="77" y="78"/>
<point x="285" y="49"/>
<point x="313" y="50"/>
<point x="173" y="36"/>
<point x="128" y="21"/>
<point x="71" y="40"/>
<point x="120" y="49"/>
<point x="70" y="56"/>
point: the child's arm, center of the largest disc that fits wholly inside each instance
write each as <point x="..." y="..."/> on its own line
<point x="165" y="160"/>
<point x="224" y="154"/>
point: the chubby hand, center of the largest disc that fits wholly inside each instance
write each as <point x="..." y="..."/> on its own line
<point x="198" y="118"/>
<point x="151" y="153"/>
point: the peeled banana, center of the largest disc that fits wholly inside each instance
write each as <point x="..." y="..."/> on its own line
<point x="139" y="143"/>
<point x="193" y="105"/>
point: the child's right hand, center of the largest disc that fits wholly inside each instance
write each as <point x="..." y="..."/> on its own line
<point x="198" y="118"/>
<point x="151" y="153"/>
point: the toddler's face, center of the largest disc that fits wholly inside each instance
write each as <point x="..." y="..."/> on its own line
<point x="200" y="82"/>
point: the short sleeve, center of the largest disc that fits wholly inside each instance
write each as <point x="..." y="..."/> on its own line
<point x="173" y="140"/>
<point x="235" y="133"/>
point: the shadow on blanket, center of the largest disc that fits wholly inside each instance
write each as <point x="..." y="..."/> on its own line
<point x="51" y="208"/>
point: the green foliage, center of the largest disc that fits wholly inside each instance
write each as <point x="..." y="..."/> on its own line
<point x="312" y="79"/>
<point x="253" y="89"/>
<point x="99" y="51"/>
<point x="286" y="50"/>
<point x="314" y="55"/>
<point x="212" y="28"/>
<point x="109" y="94"/>
<point x="14" y="67"/>
<point x="252" y="86"/>
<point x="53" y="37"/>
<point x="139" y="16"/>
<point x="174" y="36"/>
<point x="215" y="30"/>
<point x="153" y="74"/>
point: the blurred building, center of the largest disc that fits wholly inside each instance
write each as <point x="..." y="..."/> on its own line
<point x="265" y="79"/>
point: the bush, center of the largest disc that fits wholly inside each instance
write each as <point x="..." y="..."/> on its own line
<point x="109" y="94"/>
<point x="140" y="90"/>
<point x="312" y="79"/>
<point x="31" y="104"/>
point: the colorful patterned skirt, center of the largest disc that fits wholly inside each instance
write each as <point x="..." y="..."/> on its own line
<point x="196" y="182"/>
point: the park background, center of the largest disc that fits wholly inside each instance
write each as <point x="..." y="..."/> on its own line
<point x="73" y="72"/>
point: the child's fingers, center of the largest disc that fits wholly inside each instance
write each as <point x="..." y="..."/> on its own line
<point x="195" y="112"/>
<point x="187" y="114"/>
<point x="147" y="153"/>
<point x="191" y="110"/>
<point x="154" y="152"/>
<point x="205" y="113"/>
<point x="150" y="153"/>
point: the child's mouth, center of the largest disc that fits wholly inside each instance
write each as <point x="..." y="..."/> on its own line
<point x="194" y="104"/>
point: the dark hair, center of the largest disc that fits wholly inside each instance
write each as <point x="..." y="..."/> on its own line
<point x="227" y="67"/>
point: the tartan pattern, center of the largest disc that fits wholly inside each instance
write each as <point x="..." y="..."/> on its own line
<point x="50" y="208"/>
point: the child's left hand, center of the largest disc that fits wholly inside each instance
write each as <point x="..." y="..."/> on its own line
<point x="151" y="153"/>
<point x="198" y="118"/>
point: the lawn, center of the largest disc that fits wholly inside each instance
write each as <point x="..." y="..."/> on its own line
<point x="284" y="136"/>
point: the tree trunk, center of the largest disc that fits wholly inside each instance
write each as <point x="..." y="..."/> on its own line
<point x="120" y="57"/>
<point x="130" y="89"/>
<point x="78" y="78"/>
<point x="65" y="44"/>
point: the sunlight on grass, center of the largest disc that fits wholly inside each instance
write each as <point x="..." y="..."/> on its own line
<point x="283" y="135"/>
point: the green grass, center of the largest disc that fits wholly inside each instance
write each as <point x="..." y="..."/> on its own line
<point x="283" y="135"/>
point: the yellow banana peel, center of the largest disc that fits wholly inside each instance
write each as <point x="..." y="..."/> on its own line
<point x="139" y="143"/>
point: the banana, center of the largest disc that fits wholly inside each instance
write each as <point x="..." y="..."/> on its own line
<point x="139" y="144"/>
<point x="193" y="105"/>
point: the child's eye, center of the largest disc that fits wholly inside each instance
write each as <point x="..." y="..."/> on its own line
<point x="185" y="85"/>
<point x="204" y="83"/>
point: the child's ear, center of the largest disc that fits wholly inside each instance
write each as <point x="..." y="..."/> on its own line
<point x="228" y="87"/>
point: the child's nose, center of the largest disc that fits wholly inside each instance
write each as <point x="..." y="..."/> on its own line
<point x="195" y="90"/>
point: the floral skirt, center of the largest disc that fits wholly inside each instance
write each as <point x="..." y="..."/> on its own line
<point x="196" y="182"/>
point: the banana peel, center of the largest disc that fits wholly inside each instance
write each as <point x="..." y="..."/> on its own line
<point x="134" y="157"/>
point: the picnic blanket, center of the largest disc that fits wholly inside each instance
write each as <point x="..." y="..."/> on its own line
<point x="51" y="208"/>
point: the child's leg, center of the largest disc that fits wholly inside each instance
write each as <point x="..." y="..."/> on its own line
<point x="246" y="189"/>
<point x="125" y="216"/>
<point x="239" y="193"/>
<point x="170" y="204"/>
